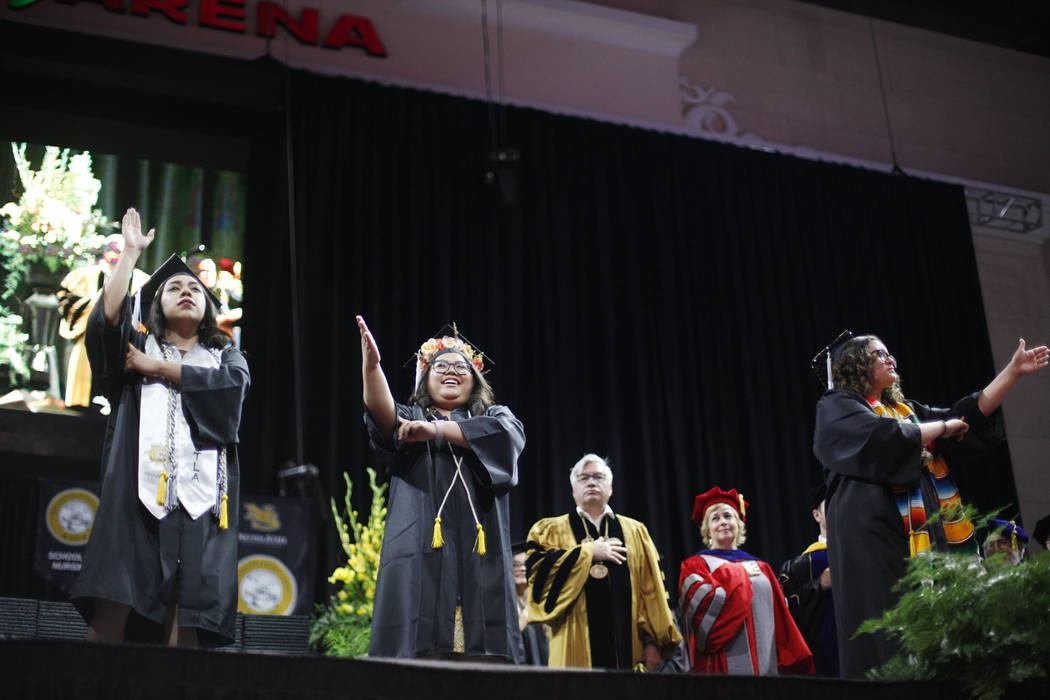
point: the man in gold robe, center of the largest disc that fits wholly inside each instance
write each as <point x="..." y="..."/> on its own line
<point x="596" y="580"/>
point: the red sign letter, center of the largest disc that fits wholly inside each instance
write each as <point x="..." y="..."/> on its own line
<point x="172" y="9"/>
<point x="270" y="13"/>
<point x="213" y="12"/>
<point x="355" y="31"/>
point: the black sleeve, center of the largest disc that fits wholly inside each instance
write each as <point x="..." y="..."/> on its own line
<point x="852" y="440"/>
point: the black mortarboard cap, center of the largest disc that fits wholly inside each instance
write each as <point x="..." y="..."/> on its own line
<point x="169" y="268"/>
<point x="817" y="494"/>
<point x="1042" y="531"/>
<point x="448" y="331"/>
<point x="518" y="547"/>
<point x="826" y="358"/>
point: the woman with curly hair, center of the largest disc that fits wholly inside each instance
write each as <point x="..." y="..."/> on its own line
<point x="445" y="588"/>
<point x="885" y="479"/>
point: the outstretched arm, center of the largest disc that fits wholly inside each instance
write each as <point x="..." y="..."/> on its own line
<point x="379" y="402"/>
<point x="1023" y="362"/>
<point x="117" y="285"/>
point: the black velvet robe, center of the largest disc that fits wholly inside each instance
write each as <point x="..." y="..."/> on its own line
<point x="419" y="587"/>
<point x="865" y="455"/>
<point x="129" y="559"/>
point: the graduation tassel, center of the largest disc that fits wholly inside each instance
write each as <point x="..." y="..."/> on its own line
<point x="743" y="506"/>
<point x="479" y="546"/>
<point x="438" y="542"/>
<point x="162" y="489"/>
<point x="224" y="521"/>
<point x="912" y="546"/>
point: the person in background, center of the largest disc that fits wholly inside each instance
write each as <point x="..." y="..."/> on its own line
<point x="596" y="580"/>
<point x="734" y="615"/>
<point x="1008" y="538"/>
<point x="806" y="581"/>
<point x="533" y="634"/>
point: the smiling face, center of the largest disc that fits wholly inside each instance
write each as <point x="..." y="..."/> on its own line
<point x="884" y="371"/>
<point x="447" y="388"/>
<point x="592" y="487"/>
<point x="722" y="526"/>
<point x="520" y="569"/>
<point x="182" y="300"/>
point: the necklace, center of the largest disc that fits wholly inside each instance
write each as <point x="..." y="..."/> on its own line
<point x="598" y="570"/>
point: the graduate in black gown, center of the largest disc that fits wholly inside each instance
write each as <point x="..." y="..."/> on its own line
<point x="164" y="541"/>
<point x="885" y="479"/>
<point x="445" y="587"/>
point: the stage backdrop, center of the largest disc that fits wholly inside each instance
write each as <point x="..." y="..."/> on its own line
<point x="645" y="296"/>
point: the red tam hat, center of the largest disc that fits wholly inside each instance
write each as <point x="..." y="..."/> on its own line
<point x="717" y="495"/>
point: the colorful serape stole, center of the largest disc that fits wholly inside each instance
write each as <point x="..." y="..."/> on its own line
<point x="958" y="529"/>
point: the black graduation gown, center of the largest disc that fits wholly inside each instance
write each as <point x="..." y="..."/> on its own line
<point x="813" y="607"/>
<point x="419" y="587"/>
<point x="865" y="455"/>
<point x="128" y="559"/>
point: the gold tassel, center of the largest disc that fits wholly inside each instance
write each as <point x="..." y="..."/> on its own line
<point x="912" y="546"/>
<point x="162" y="489"/>
<point x="224" y="521"/>
<point x="480" y="544"/>
<point x="743" y="508"/>
<point x="438" y="541"/>
<point x="1013" y="534"/>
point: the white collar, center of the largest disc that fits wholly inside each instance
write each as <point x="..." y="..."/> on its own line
<point x="608" y="512"/>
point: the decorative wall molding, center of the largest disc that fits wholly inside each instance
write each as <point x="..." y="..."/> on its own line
<point x="705" y="112"/>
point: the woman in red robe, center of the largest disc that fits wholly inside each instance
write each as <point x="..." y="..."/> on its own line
<point x="735" y="616"/>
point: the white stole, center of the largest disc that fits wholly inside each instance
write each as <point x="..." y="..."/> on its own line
<point x="192" y="474"/>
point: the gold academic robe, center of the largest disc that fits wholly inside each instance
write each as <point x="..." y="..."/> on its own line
<point x="555" y="554"/>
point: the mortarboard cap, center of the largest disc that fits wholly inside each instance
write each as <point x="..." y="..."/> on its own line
<point x="826" y="358"/>
<point x="717" y="495"/>
<point x="817" y="494"/>
<point x="1042" y="531"/>
<point x="169" y="268"/>
<point x="1008" y="529"/>
<point x="448" y="339"/>
<point x="519" y="547"/>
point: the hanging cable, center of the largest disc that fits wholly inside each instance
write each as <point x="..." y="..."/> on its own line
<point x="293" y="267"/>
<point x="896" y="170"/>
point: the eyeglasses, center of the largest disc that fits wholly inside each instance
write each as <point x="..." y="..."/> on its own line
<point x="596" y="477"/>
<point x="885" y="357"/>
<point x="459" y="367"/>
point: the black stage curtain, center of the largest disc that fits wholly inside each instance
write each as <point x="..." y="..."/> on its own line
<point x="646" y="296"/>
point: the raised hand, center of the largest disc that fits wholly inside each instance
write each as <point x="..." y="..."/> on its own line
<point x="1028" y="361"/>
<point x="131" y="228"/>
<point x="370" y="356"/>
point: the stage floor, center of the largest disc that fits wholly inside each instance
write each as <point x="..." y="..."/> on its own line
<point x="271" y="661"/>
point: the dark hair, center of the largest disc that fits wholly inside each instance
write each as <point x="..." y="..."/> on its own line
<point x="853" y="370"/>
<point x="208" y="332"/>
<point x="481" y="397"/>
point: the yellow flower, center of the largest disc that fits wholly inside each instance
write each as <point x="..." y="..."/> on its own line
<point x="346" y="608"/>
<point x="341" y="595"/>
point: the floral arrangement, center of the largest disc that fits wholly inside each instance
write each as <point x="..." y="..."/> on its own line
<point x="428" y="349"/>
<point x="342" y="626"/>
<point x="54" y="222"/>
<point x="961" y="619"/>
<point x="12" y="341"/>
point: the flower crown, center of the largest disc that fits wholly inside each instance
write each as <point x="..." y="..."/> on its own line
<point x="434" y="345"/>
